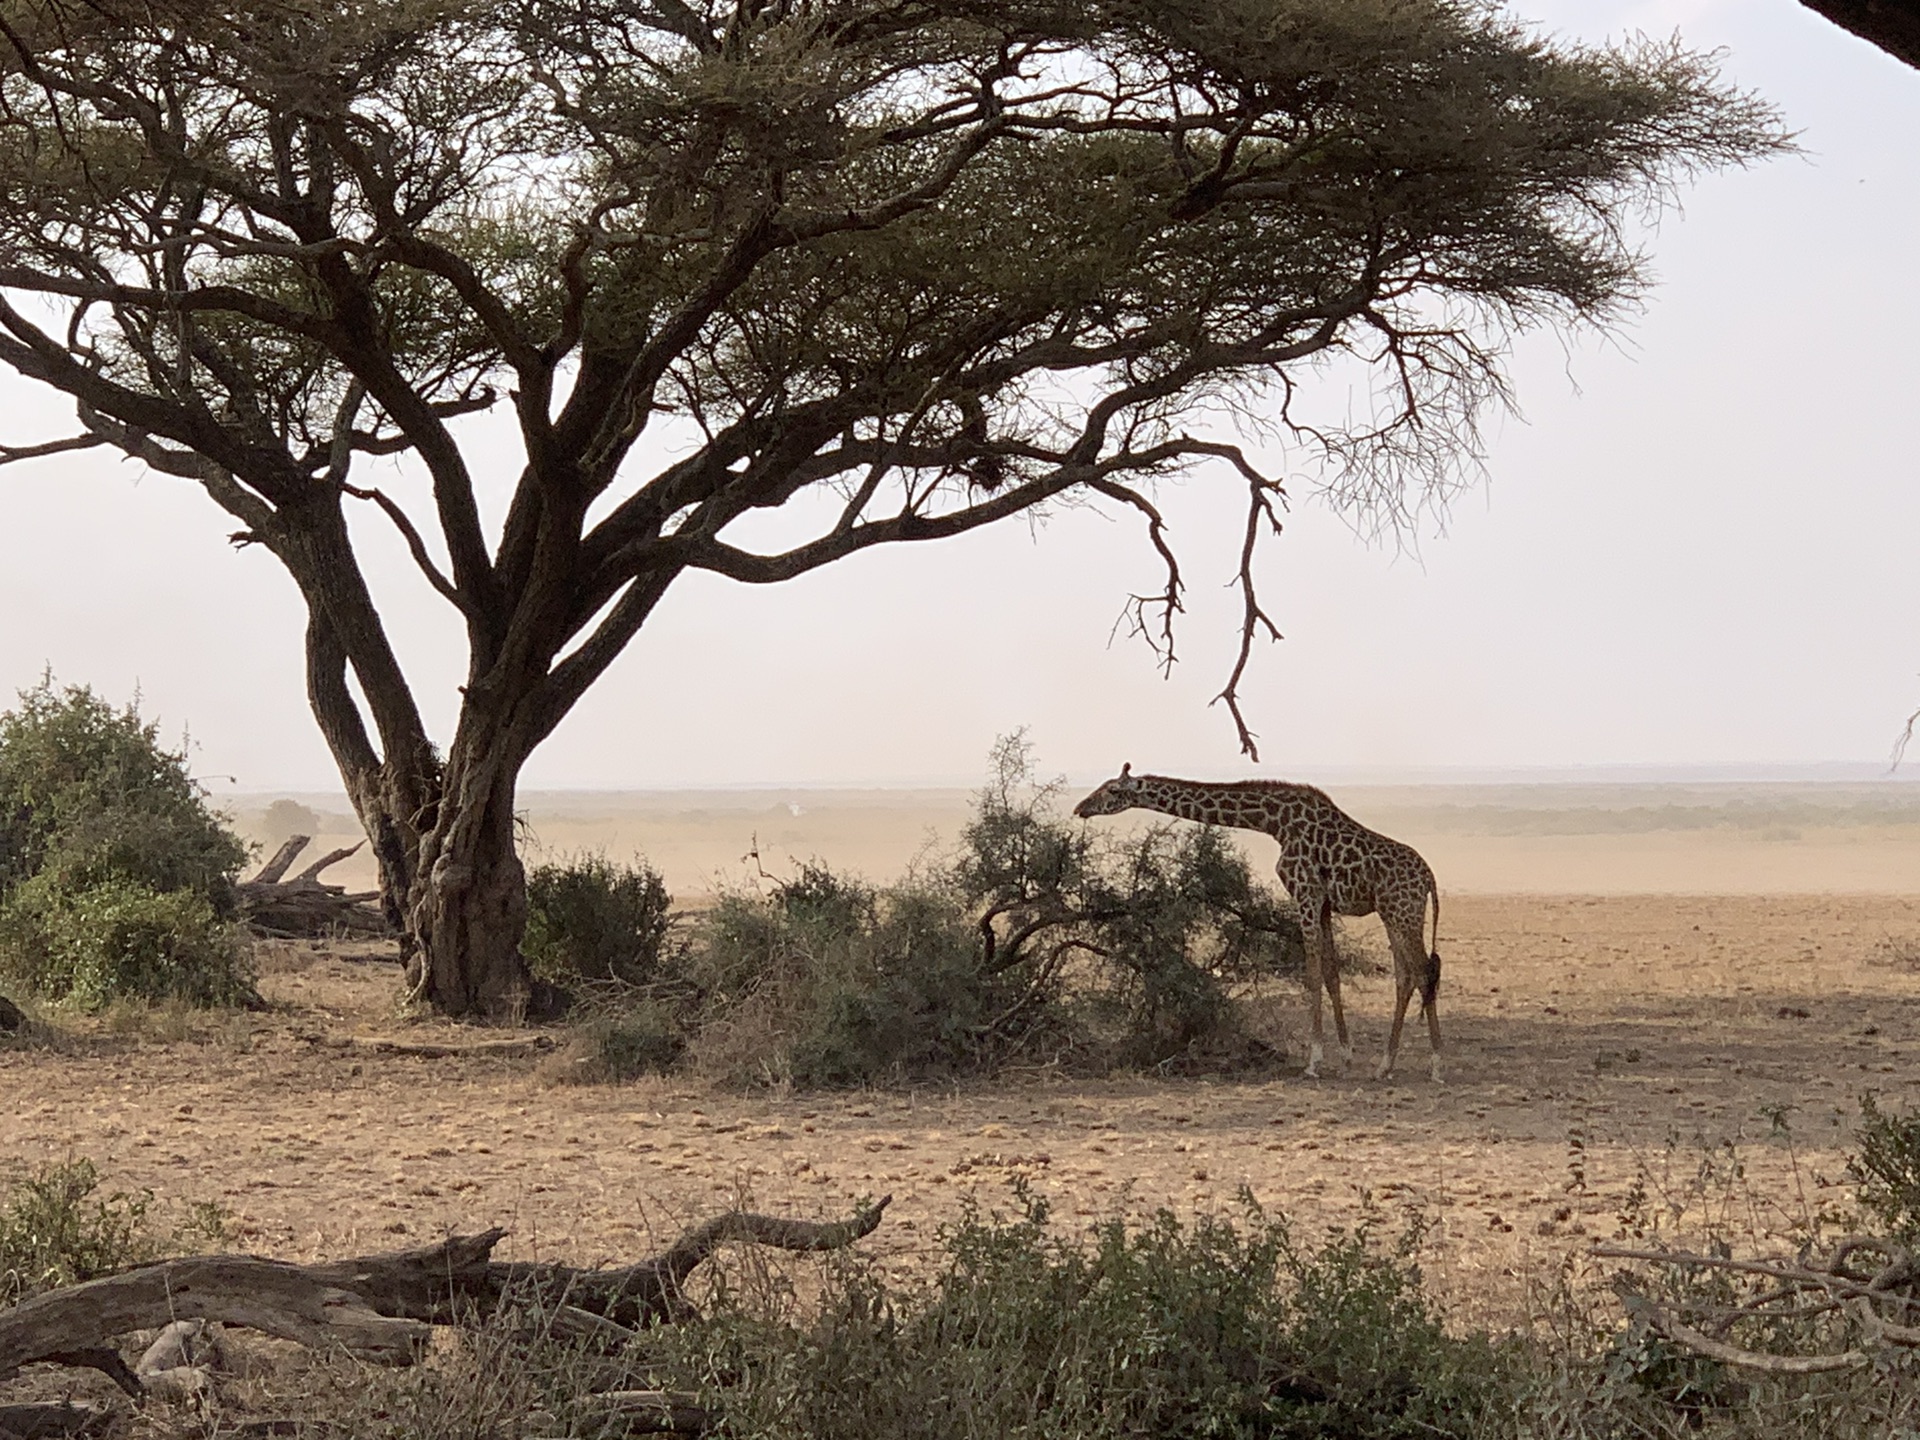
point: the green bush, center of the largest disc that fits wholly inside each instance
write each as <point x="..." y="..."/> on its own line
<point x="1207" y="1328"/>
<point x="116" y="879"/>
<point x="1887" y="1170"/>
<point x="591" y="919"/>
<point x="118" y="939"/>
<point x="621" y="1040"/>
<point x="1038" y="939"/>
<point x="89" y="793"/>
<point x="828" y="982"/>
<point x="55" y="1231"/>
<point x="1161" y="925"/>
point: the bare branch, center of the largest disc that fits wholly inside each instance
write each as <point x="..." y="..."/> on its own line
<point x="1261" y="493"/>
<point x="10" y="453"/>
<point x="415" y="545"/>
<point x="1168" y="600"/>
<point x="1728" y="1354"/>
<point x="1900" y="744"/>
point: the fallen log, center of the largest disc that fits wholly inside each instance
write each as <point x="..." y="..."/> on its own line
<point x="382" y="1307"/>
<point x="306" y="907"/>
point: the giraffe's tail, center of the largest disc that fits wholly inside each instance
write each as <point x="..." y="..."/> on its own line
<point x="1430" y="986"/>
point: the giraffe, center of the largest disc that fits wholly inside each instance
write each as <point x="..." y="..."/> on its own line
<point x="1332" y="865"/>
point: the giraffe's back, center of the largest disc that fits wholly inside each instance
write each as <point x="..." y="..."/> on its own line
<point x="1359" y="870"/>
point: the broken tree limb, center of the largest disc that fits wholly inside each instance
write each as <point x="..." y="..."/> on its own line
<point x="332" y="857"/>
<point x="1702" y="1344"/>
<point x="305" y="907"/>
<point x="1796" y="1290"/>
<point x="509" y="1049"/>
<point x="271" y="872"/>
<point x="381" y="1307"/>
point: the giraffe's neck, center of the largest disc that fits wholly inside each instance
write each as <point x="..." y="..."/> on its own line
<point x="1267" y="805"/>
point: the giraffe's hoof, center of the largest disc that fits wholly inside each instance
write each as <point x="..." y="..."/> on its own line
<point x="1346" y="1057"/>
<point x="1383" y="1071"/>
<point x="1436" y="1074"/>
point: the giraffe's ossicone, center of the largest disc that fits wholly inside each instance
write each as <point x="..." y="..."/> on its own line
<point x="1331" y="865"/>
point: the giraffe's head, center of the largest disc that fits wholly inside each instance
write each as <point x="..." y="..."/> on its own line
<point x="1120" y="793"/>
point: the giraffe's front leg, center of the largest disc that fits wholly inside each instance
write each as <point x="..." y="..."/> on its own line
<point x="1330" y="972"/>
<point x="1319" y="938"/>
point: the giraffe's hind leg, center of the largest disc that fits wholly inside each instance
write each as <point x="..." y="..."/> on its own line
<point x="1410" y="966"/>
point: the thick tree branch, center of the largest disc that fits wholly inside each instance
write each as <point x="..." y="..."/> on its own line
<point x="1893" y="25"/>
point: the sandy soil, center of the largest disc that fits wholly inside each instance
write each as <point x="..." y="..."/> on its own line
<point x="1594" y="1041"/>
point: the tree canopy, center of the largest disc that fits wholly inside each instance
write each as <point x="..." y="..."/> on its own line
<point x="909" y="267"/>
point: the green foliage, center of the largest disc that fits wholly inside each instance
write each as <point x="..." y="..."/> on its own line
<point x="592" y="919"/>
<point x="115" y="876"/>
<point x="88" y="793"/>
<point x="118" y="939"/>
<point x="1163" y="923"/>
<point x="1173" y="1328"/>
<point x="1887" y="1169"/>
<point x="1039" y="939"/>
<point x="621" y="1040"/>
<point x="1600" y="1374"/>
<point x="828" y="982"/>
<point x="55" y="1231"/>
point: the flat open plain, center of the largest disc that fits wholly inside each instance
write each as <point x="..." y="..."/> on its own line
<point x="1597" y="1040"/>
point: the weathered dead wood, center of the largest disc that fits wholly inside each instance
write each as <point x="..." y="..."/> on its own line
<point x="1801" y="1290"/>
<point x="380" y="1307"/>
<point x="271" y="872"/>
<point x="642" y="1412"/>
<point x="332" y="857"/>
<point x="305" y="907"/>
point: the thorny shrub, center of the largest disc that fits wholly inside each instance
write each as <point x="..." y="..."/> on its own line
<point x="1606" y="1372"/>
<point x="591" y="918"/>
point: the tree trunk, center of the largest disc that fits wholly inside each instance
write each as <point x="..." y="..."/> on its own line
<point x="468" y="906"/>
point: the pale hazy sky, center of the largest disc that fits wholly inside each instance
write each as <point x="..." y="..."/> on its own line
<point x="1701" y="547"/>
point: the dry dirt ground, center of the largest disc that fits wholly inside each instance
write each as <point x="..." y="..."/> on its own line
<point x="1595" y="1042"/>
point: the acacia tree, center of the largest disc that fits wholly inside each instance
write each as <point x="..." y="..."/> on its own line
<point x="941" y="262"/>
